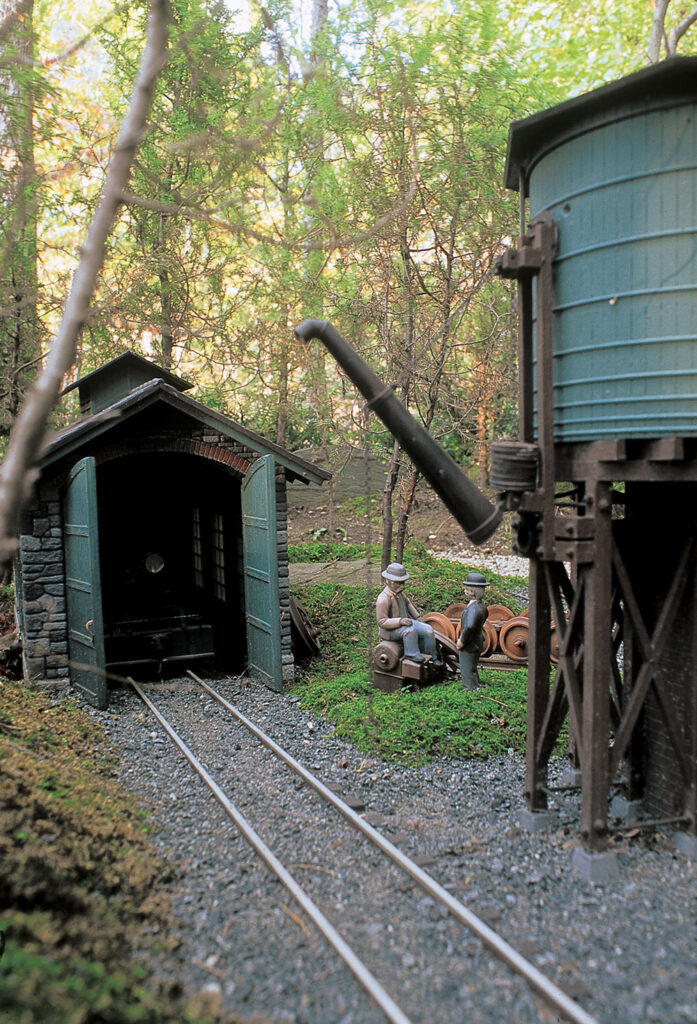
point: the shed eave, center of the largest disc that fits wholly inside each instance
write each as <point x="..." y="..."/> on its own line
<point x="73" y="438"/>
<point x="668" y="81"/>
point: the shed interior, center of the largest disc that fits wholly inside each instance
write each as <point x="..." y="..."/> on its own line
<point x="170" y="563"/>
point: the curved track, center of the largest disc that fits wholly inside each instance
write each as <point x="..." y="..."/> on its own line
<point x="538" y="982"/>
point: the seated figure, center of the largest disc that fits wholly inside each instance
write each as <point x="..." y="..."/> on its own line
<point x="398" y="618"/>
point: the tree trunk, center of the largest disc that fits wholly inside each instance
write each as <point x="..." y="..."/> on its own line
<point x="387" y="493"/>
<point x="407" y="504"/>
<point x="167" y="331"/>
<point x="658" y="31"/>
<point x="19" y="331"/>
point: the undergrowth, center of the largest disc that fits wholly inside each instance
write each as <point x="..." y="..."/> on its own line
<point x="441" y="720"/>
<point x="331" y="551"/>
<point x="81" y="885"/>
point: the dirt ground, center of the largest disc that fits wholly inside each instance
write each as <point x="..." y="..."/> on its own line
<point x="337" y="510"/>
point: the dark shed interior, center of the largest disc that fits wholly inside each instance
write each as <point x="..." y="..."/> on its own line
<point x="170" y="560"/>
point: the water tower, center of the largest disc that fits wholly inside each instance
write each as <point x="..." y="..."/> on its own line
<point x="604" y="479"/>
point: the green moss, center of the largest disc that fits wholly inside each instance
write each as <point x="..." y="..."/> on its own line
<point x="82" y="887"/>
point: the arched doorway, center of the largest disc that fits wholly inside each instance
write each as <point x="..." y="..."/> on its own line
<point x="170" y="554"/>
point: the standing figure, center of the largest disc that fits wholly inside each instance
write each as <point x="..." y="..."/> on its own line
<point x="398" y="618"/>
<point x="471" y="641"/>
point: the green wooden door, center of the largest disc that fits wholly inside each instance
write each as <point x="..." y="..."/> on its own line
<point x="83" y="583"/>
<point x="259" y="541"/>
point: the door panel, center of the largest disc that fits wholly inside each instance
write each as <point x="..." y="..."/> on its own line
<point x="259" y="531"/>
<point x="83" y="584"/>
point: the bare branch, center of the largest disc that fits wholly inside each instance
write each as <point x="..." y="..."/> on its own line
<point x="18" y="473"/>
<point x="658" y="30"/>
<point x="679" y="31"/>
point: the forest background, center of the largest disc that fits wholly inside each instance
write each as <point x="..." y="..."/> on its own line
<point x="301" y="159"/>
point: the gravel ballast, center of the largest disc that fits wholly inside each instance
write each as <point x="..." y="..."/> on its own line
<point x="626" y="951"/>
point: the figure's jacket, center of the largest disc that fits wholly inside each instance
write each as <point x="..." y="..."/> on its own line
<point x="472" y="627"/>
<point x="389" y="609"/>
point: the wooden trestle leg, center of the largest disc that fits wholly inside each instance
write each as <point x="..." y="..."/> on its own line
<point x="597" y="675"/>
<point x="538" y="686"/>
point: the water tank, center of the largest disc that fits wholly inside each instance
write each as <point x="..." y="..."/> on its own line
<point x="617" y="170"/>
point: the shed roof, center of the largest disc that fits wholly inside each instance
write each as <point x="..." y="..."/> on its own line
<point x="664" y="84"/>
<point x="135" y="360"/>
<point x="158" y="392"/>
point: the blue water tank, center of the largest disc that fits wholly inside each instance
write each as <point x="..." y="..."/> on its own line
<point x="617" y="170"/>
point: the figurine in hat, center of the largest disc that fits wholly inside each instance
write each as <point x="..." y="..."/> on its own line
<point x="398" y="618"/>
<point x="470" y="642"/>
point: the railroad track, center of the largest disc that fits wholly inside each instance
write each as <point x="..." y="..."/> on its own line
<point x="542" y="986"/>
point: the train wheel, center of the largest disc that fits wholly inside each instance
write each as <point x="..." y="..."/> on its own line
<point x="513" y="639"/>
<point x="499" y="613"/>
<point x="441" y="623"/>
<point x="491" y="639"/>
<point x="554" y="646"/>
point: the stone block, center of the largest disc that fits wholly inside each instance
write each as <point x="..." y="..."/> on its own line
<point x="43" y="573"/>
<point x="52" y="557"/>
<point x="56" y="661"/>
<point x="686" y="844"/>
<point x="56" y="624"/>
<point x="536" y="821"/>
<point x="34" y="667"/>
<point x="596" y="868"/>
<point x="628" y="810"/>
<point x="39" y="648"/>
<point x="27" y="542"/>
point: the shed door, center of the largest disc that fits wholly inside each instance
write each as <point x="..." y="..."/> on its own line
<point x="83" y="583"/>
<point x="259" y="541"/>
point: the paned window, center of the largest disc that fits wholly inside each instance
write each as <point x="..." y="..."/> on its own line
<point x="218" y="552"/>
<point x="197" y="548"/>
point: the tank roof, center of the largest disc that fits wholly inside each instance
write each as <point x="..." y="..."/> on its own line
<point x="656" y="86"/>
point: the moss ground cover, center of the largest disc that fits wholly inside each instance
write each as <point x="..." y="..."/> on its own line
<point x="80" y="884"/>
<point x="442" y="720"/>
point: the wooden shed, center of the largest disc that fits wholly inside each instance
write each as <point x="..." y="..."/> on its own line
<point x="157" y="537"/>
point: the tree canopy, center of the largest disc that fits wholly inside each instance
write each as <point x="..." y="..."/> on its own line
<point x="342" y="161"/>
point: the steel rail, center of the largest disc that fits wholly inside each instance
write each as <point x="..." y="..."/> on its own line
<point x="369" y="982"/>
<point x="539" y="982"/>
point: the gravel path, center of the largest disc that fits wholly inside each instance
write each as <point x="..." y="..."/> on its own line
<point x="626" y="952"/>
<point x="504" y="565"/>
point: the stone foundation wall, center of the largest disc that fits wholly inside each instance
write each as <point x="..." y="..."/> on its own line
<point x="40" y="590"/>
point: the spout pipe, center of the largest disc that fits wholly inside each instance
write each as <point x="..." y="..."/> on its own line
<point x="470" y="507"/>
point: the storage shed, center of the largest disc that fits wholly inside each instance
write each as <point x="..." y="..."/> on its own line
<point x="157" y="538"/>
